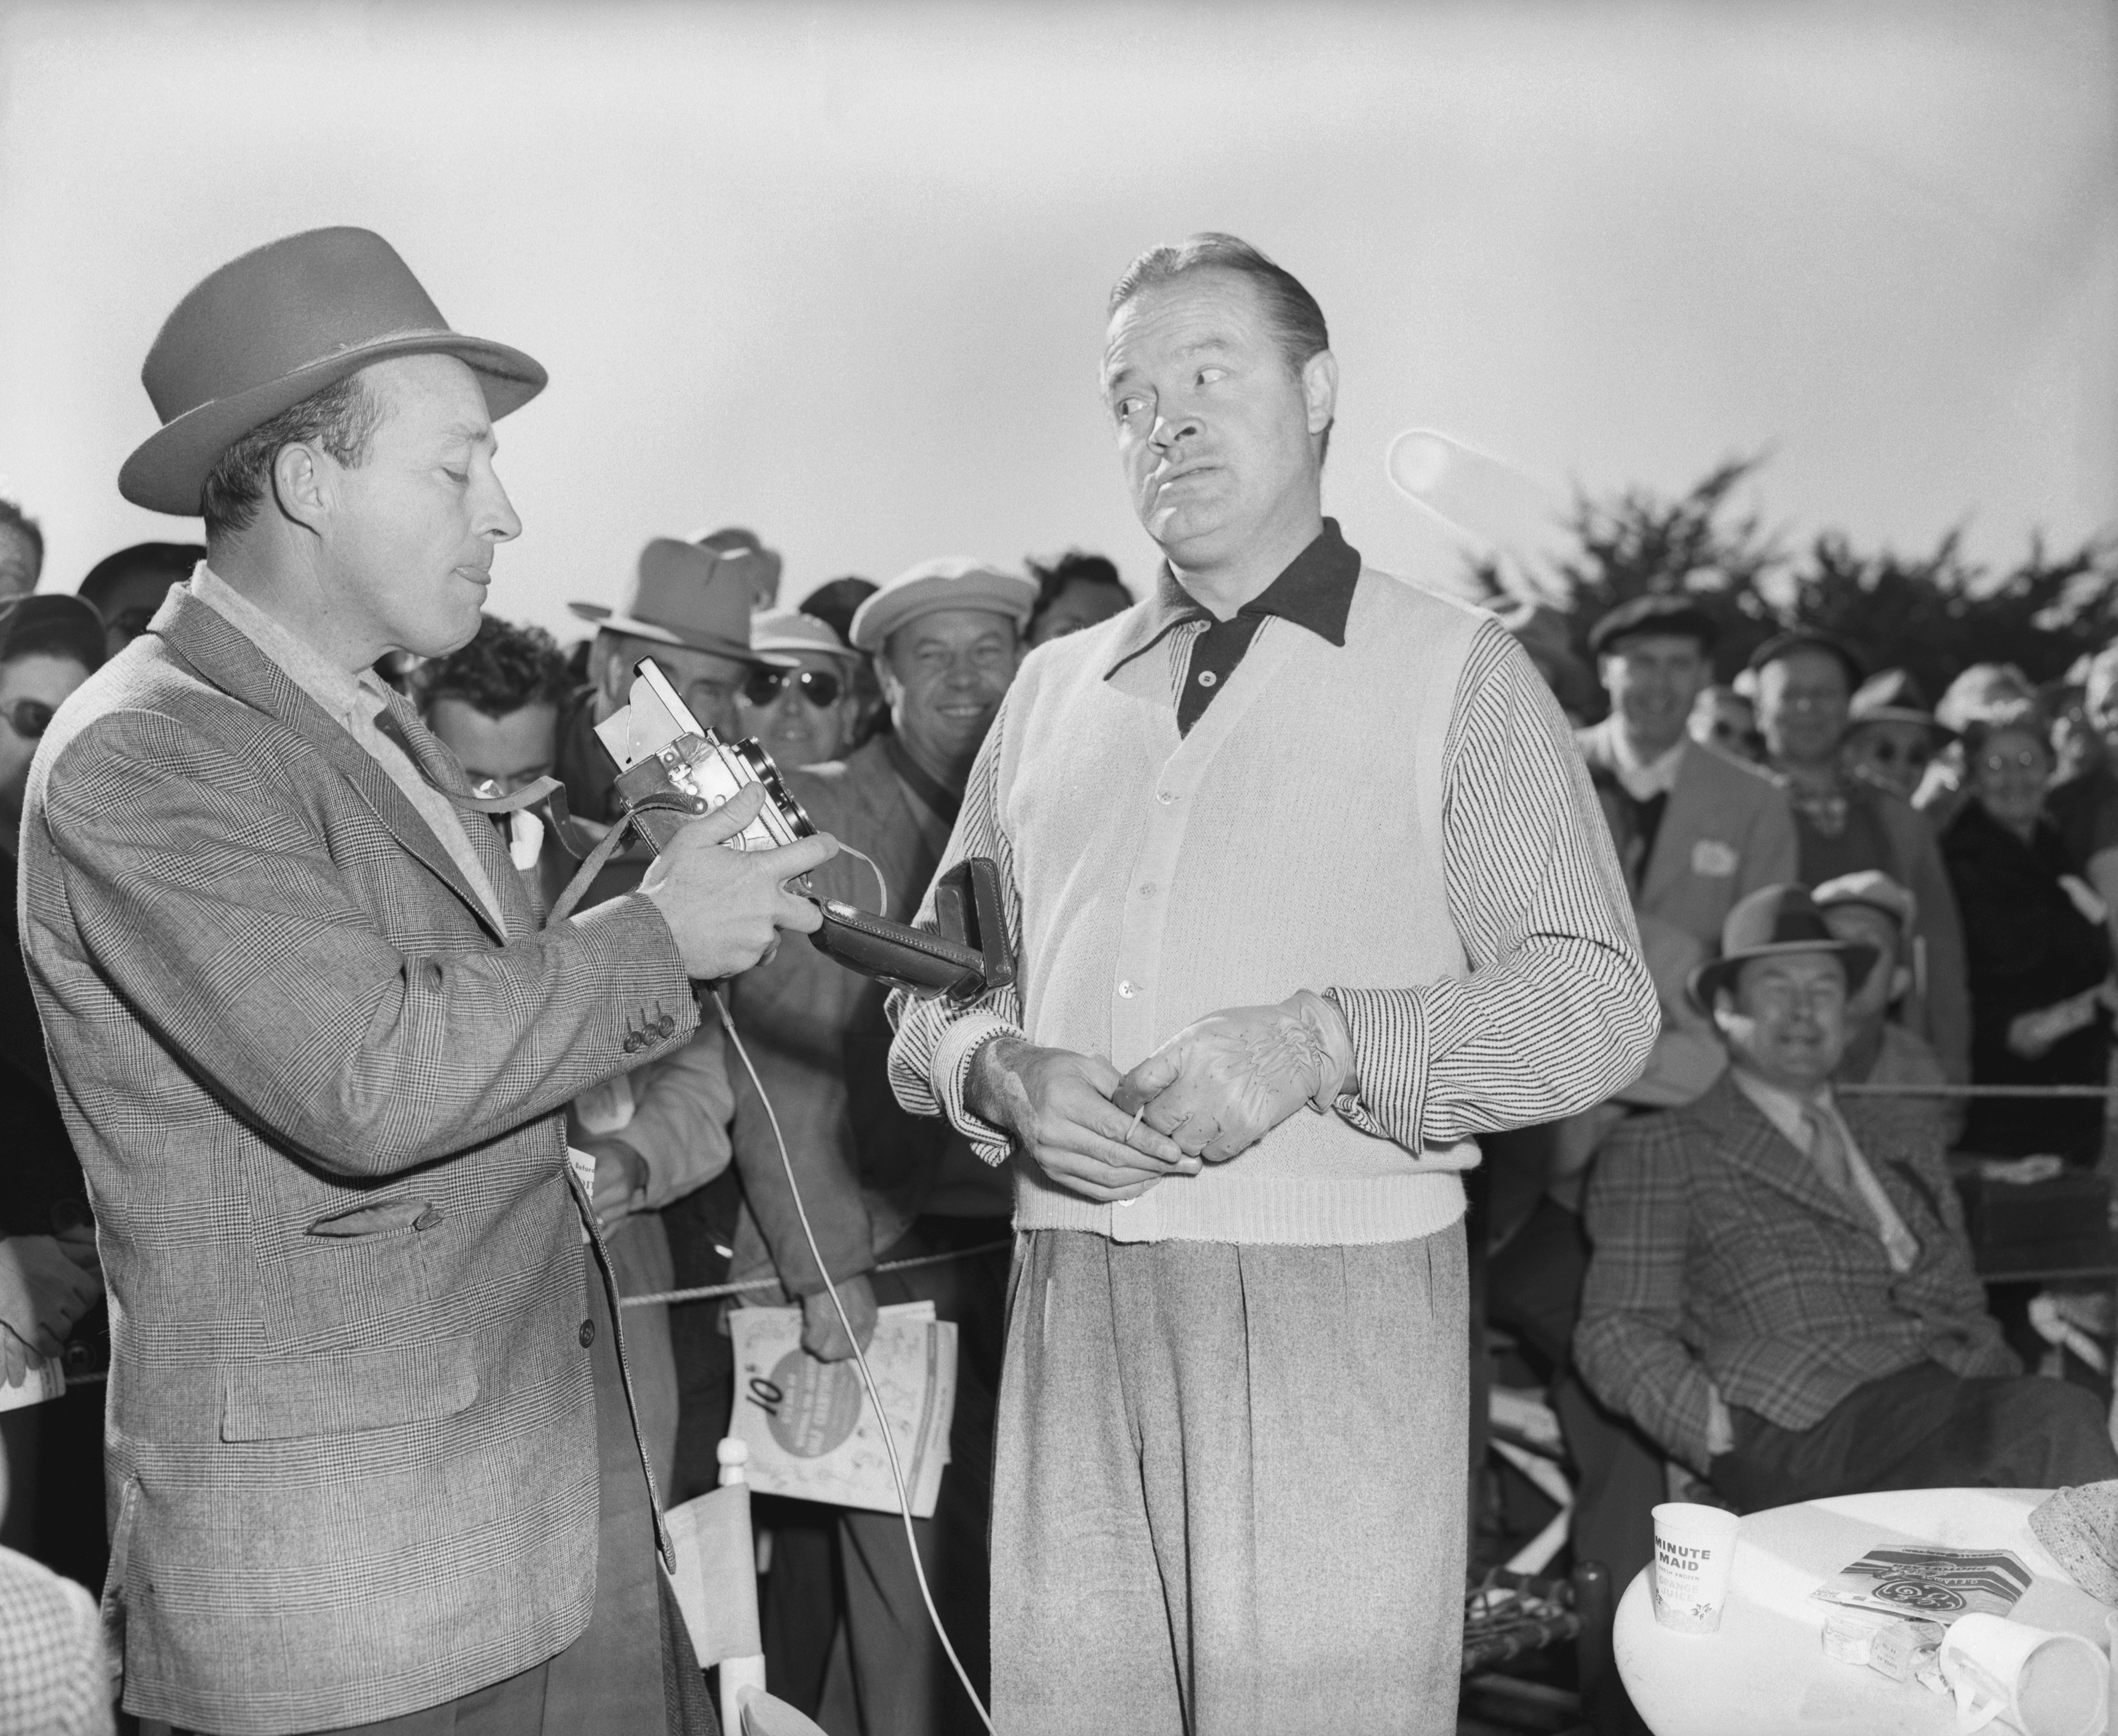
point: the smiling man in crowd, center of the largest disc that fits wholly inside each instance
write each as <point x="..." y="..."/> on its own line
<point x="882" y="1185"/>
<point x="1310" y="851"/>
<point x="370" y="1457"/>
<point x="1782" y="1292"/>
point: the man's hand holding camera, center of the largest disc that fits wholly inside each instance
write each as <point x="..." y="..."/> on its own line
<point x="1224" y="1081"/>
<point x="727" y="907"/>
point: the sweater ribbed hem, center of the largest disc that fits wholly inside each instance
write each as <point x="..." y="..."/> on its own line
<point x="1273" y="1210"/>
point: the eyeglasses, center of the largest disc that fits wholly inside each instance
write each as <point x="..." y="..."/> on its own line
<point x="29" y="718"/>
<point x="1887" y="752"/>
<point x="2026" y="759"/>
<point x="819" y="688"/>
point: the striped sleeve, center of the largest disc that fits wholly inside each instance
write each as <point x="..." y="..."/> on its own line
<point x="1557" y="1011"/>
<point x="937" y="1039"/>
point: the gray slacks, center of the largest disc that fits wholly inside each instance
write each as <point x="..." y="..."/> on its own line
<point x="1228" y="1495"/>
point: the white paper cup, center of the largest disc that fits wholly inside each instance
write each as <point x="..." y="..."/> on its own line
<point x="2044" y="1683"/>
<point x="1695" y="1548"/>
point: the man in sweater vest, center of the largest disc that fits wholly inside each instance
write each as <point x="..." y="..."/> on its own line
<point x="1310" y="851"/>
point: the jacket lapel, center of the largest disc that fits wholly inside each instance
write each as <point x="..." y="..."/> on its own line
<point x="1754" y="1145"/>
<point x="1682" y="822"/>
<point x="442" y="768"/>
<point x="224" y="655"/>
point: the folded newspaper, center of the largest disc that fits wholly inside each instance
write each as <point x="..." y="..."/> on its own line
<point x="810" y="1428"/>
<point x="1937" y="1585"/>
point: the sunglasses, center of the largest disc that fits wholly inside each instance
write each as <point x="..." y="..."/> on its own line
<point x="819" y="688"/>
<point x="29" y="718"/>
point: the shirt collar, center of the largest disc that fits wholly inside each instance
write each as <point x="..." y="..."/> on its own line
<point x="1315" y="590"/>
<point x="347" y="697"/>
<point x="1643" y="778"/>
<point x="1783" y="1109"/>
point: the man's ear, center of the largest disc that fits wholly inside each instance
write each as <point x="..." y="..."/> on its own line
<point x="1724" y="1010"/>
<point x="1320" y="390"/>
<point x="1901" y="983"/>
<point x="607" y="670"/>
<point x="300" y="487"/>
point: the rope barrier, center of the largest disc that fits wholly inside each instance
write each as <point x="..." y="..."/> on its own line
<point x="2046" y="1091"/>
<point x="713" y="1292"/>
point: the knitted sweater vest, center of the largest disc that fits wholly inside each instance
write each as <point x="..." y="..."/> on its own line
<point x="1292" y="840"/>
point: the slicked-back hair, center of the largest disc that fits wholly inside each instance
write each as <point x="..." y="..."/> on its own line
<point x="503" y="668"/>
<point x="1297" y="320"/>
<point x="1075" y="567"/>
<point x="341" y="418"/>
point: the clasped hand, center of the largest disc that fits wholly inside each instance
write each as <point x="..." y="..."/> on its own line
<point x="1224" y="1081"/>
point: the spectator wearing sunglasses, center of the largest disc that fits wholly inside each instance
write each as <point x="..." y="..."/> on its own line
<point x="50" y="1282"/>
<point x="1891" y="735"/>
<point x="881" y="1184"/>
<point x="2040" y="952"/>
<point x="128" y="587"/>
<point x="808" y="713"/>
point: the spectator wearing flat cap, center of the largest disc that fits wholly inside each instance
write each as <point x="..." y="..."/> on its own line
<point x="881" y="1184"/>
<point x="1783" y="1293"/>
<point x="1696" y="830"/>
<point x="369" y="1411"/>
<point x="1845" y="824"/>
<point x="50" y="1279"/>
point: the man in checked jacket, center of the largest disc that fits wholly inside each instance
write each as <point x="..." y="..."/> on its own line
<point x="370" y="1457"/>
<point x="1782" y="1292"/>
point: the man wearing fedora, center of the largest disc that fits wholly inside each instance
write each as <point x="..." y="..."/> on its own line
<point x="1782" y="1292"/>
<point x="882" y="1185"/>
<point x="1696" y="830"/>
<point x="369" y="1453"/>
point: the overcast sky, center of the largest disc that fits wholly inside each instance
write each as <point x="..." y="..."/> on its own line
<point x="838" y="272"/>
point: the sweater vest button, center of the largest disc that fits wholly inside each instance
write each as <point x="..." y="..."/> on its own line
<point x="1128" y="990"/>
<point x="1165" y="796"/>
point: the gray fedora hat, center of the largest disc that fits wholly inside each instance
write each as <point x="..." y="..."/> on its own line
<point x="267" y="329"/>
<point x="1773" y="920"/>
<point x="687" y="595"/>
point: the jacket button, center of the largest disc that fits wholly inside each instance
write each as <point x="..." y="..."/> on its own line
<point x="665" y="1024"/>
<point x="587" y="1333"/>
<point x="631" y="1043"/>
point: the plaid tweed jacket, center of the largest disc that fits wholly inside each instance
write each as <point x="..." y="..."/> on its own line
<point x="350" y="1437"/>
<point x="1722" y="1256"/>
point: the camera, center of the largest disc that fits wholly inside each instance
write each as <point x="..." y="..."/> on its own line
<point x="671" y="769"/>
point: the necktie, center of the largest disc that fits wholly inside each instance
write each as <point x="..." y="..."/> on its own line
<point x="1827" y="1152"/>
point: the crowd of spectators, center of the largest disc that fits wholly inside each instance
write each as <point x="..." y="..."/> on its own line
<point x="1725" y="1272"/>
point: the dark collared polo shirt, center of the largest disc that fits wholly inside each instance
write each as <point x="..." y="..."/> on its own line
<point x="1315" y="590"/>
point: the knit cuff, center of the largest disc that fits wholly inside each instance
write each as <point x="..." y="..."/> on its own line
<point x="959" y="1046"/>
<point x="1388" y="1031"/>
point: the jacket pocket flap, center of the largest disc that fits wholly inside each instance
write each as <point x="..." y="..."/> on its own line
<point x="374" y="1218"/>
<point x="340" y="1394"/>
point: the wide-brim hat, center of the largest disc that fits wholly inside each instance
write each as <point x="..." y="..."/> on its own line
<point x="283" y="321"/>
<point x="956" y="582"/>
<point x="790" y="632"/>
<point x="686" y="596"/>
<point x="1771" y="921"/>
<point x="1893" y="696"/>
